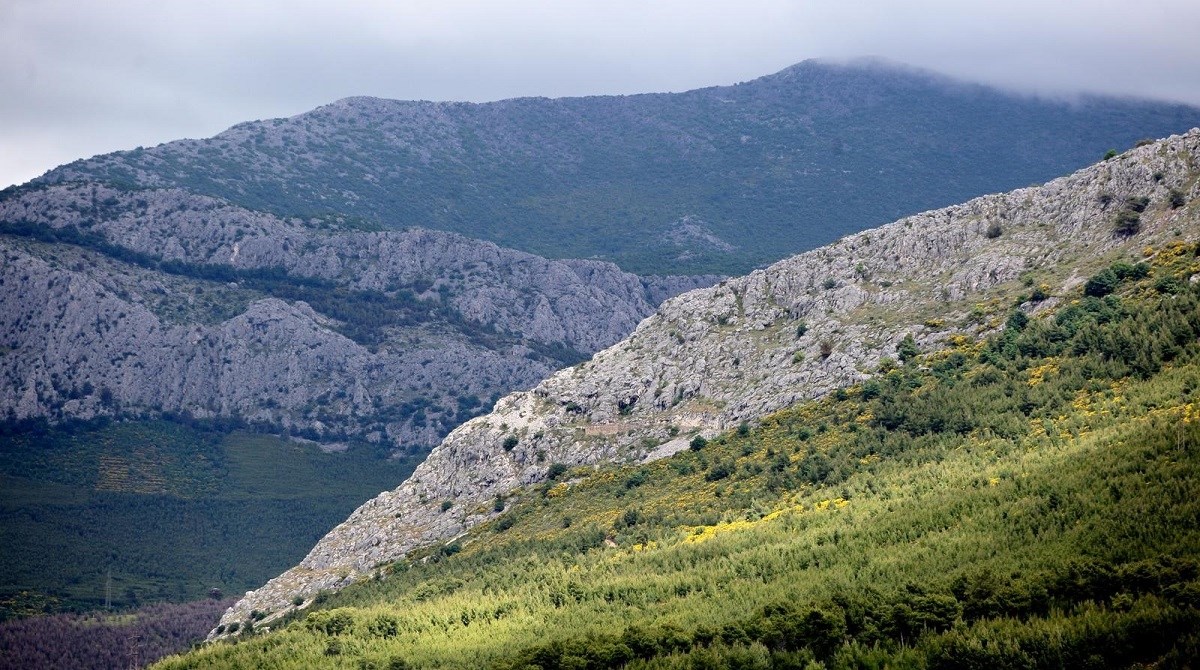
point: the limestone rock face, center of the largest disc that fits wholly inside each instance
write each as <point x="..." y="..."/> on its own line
<point x="136" y="302"/>
<point x="713" y="357"/>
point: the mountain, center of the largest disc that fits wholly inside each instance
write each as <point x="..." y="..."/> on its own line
<point x="214" y="350"/>
<point x="193" y="393"/>
<point x="124" y="303"/>
<point x="1020" y="501"/>
<point x="720" y="179"/>
<point x="727" y="355"/>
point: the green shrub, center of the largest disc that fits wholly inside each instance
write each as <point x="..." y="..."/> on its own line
<point x="330" y="622"/>
<point x="1102" y="283"/>
<point x="630" y="517"/>
<point x="1107" y="280"/>
<point x="637" y="479"/>
<point x="907" y="349"/>
<point x="1017" y="321"/>
<point x="815" y="468"/>
<point x="1131" y="271"/>
<point x="1127" y="223"/>
<point x="1137" y="203"/>
<point x="384" y="625"/>
<point x="719" y="471"/>
<point x="1168" y="285"/>
<point x="510" y="442"/>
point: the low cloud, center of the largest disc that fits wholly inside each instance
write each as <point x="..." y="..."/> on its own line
<point x="85" y="78"/>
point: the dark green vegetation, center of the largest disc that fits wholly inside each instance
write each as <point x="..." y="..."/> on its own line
<point x="146" y="511"/>
<point x="712" y="180"/>
<point x="1027" y="501"/>
<point x="100" y="641"/>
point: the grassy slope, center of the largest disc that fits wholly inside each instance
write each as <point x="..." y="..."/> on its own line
<point x="1025" y="502"/>
<point x="171" y="511"/>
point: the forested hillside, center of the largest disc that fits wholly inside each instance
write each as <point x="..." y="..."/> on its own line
<point x="127" y="513"/>
<point x="913" y="444"/>
<point x="175" y="366"/>
<point x="798" y="330"/>
<point x="104" y="640"/>
<point x="1021" y="500"/>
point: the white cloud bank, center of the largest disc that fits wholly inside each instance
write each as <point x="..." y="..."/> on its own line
<point x="81" y="77"/>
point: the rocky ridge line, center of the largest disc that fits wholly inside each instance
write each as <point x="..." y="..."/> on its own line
<point x="84" y="334"/>
<point x="714" y="357"/>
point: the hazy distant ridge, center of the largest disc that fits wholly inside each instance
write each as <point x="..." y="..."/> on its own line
<point x="716" y="179"/>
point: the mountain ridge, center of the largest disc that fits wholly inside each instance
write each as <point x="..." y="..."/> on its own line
<point x="571" y="177"/>
<point x="221" y="292"/>
<point x="715" y="357"/>
<point x="1021" y="499"/>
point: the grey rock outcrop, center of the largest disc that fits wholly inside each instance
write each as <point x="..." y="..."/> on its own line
<point x="714" y="357"/>
<point x="131" y="316"/>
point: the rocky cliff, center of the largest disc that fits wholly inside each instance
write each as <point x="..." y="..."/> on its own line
<point x="119" y="302"/>
<point x="798" y="329"/>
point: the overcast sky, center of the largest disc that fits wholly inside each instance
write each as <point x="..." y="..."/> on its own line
<point x="81" y="77"/>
